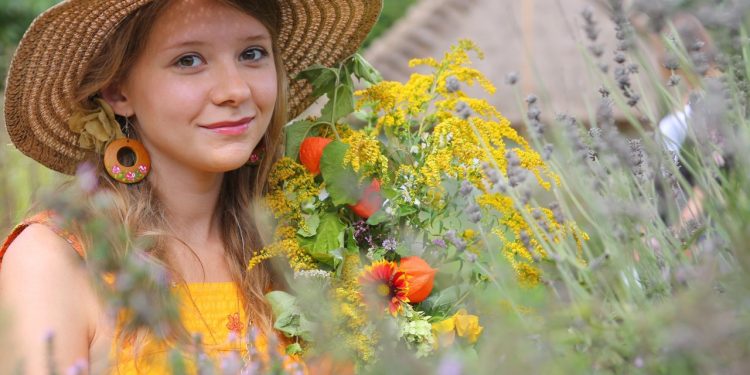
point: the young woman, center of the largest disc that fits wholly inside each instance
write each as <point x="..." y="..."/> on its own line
<point x="194" y="88"/>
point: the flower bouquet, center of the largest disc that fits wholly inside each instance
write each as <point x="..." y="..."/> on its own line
<point x="399" y="196"/>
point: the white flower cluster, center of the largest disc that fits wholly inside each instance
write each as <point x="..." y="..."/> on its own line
<point x="312" y="274"/>
<point x="416" y="331"/>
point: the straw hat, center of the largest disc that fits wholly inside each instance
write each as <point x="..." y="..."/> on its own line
<point x="55" y="52"/>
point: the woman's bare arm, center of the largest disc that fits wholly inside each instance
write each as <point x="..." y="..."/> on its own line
<point x="45" y="289"/>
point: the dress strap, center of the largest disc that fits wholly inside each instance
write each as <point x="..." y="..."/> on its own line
<point x="46" y="218"/>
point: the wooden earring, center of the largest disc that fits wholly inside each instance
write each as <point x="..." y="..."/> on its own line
<point x="127" y="174"/>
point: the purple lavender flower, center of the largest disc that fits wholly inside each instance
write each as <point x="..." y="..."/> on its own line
<point x="450" y="366"/>
<point x="390" y="244"/>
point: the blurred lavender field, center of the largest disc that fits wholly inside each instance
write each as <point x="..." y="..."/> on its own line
<point x="595" y="86"/>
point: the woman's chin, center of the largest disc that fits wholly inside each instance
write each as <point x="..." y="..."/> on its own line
<point x="227" y="163"/>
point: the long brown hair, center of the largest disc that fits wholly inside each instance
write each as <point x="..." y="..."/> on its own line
<point x="140" y="208"/>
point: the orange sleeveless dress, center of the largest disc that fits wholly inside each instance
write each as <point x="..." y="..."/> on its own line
<point x="212" y="310"/>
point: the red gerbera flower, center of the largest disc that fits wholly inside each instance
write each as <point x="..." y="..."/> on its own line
<point x="385" y="285"/>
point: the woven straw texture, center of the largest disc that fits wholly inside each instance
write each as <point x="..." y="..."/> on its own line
<point x="53" y="55"/>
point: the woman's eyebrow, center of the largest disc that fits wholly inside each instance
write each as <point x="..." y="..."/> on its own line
<point x="198" y="43"/>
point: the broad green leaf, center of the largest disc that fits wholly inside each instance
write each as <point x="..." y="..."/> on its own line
<point x="405" y="211"/>
<point x="281" y="302"/>
<point x="342" y="183"/>
<point x="330" y="237"/>
<point x="339" y="106"/>
<point x="295" y="133"/>
<point x="288" y="317"/>
<point x="378" y="217"/>
<point x="364" y="71"/>
<point x="439" y="303"/>
<point x="322" y="79"/>
<point x="311" y="223"/>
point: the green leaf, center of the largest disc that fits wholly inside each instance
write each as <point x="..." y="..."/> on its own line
<point x="287" y="315"/>
<point x="330" y="237"/>
<point x="390" y="193"/>
<point x="293" y="349"/>
<point x="439" y="303"/>
<point x="339" y="106"/>
<point x="405" y="211"/>
<point x="311" y="222"/>
<point x="281" y="302"/>
<point x="322" y="79"/>
<point x="364" y="71"/>
<point x="378" y="217"/>
<point x="295" y="133"/>
<point x="342" y="183"/>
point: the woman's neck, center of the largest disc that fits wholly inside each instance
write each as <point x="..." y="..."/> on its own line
<point x="190" y="199"/>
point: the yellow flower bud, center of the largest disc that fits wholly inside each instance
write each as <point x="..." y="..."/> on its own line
<point x="469" y="234"/>
<point x="444" y="332"/>
<point x="467" y="326"/>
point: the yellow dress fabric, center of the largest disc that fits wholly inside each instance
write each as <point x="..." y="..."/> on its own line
<point x="212" y="310"/>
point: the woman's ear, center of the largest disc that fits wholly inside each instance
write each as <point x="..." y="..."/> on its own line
<point x="113" y="95"/>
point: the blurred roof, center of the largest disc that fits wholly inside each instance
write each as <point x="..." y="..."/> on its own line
<point x="540" y="40"/>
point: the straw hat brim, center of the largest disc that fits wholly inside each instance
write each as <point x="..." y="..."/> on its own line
<point x="55" y="52"/>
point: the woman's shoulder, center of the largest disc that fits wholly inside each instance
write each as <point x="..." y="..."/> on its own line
<point x="39" y="251"/>
<point x="46" y="226"/>
<point x="37" y="245"/>
<point x="45" y="288"/>
<point x="37" y="259"/>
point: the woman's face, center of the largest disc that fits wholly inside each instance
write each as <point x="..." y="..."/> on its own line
<point x="204" y="88"/>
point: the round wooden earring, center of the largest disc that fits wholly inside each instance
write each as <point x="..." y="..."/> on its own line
<point x="123" y="173"/>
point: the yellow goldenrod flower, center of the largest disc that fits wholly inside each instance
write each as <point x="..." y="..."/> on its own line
<point x="364" y="154"/>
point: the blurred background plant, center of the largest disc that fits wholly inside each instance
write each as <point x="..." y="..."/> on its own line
<point x="664" y="288"/>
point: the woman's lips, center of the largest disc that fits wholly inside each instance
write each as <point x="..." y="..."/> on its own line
<point x="229" y="127"/>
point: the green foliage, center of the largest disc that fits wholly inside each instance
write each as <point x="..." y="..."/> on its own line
<point x="288" y="317"/>
<point x="328" y="242"/>
<point x="392" y="11"/>
<point x="341" y="181"/>
<point x="15" y="17"/>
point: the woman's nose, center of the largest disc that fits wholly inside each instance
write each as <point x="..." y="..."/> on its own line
<point x="230" y="88"/>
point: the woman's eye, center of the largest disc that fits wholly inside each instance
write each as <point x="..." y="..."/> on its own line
<point x="188" y="61"/>
<point x="254" y="54"/>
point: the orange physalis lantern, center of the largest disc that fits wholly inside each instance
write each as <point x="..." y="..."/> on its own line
<point x="420" y="276"/>
<point x="370" y="201"/>
<point x="310" y="152"/>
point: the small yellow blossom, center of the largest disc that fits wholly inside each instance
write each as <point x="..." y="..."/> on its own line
<point x="469" y="234"/>
<point x="461" y="324"/>
<point x="445" y="332"/>
<point x="467" y="326"/>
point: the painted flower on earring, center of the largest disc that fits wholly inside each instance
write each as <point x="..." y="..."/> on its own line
<point x="116" y="169"/>
<point x="143" y="169"/>
<point x="130" y="176"/>
<point x="384" y="286"/>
